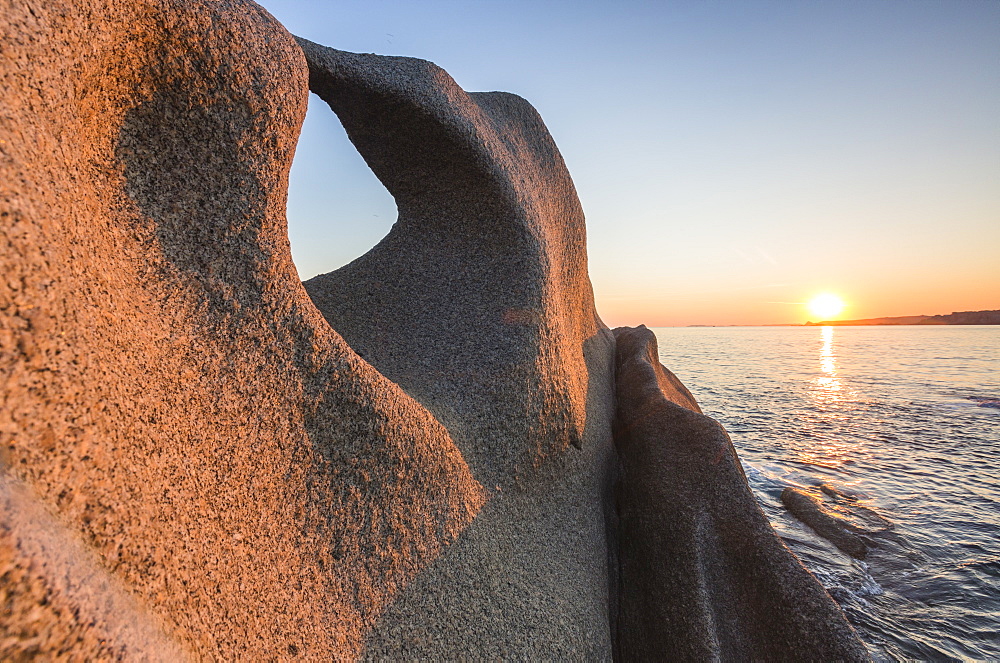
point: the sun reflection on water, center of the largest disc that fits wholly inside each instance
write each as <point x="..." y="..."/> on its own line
<point x="828" y="383"/>
<point x="830" y="394"/>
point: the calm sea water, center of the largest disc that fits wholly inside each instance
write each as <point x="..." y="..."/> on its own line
<point x="905" y="421"/>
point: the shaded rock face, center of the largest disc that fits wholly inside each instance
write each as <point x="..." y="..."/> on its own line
<point x="215" y="472"/>
<point x="478" y="301"/>
<point x="478" y="304"/>
<point x="702" y="576"/>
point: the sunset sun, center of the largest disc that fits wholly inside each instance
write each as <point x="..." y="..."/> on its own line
<point x="826" y="306"/>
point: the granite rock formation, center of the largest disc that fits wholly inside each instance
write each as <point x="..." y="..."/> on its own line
<point x="478" y="304"/>
<point x="197" y="461"/>
<point x="214" y="467"/>
<point x="702" y="576"/>
<point x="478" y="301"/>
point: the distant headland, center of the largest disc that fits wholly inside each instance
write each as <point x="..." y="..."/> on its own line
<point x="957" y="318"/>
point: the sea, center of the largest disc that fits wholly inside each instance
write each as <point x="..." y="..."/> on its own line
<point x="901" y="425"/>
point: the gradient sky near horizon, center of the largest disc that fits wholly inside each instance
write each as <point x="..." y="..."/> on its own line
<point x="733" y="158"/>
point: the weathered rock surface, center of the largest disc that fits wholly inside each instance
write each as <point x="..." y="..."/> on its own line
<point x="478" y="301"/>
<point x="478" y="304"/>
<point x="702" y="574"/>
<point x="194" y="464"/>
<point x="218" y="472"/>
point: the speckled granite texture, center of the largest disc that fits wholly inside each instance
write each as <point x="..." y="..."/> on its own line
<point x="702" y="576"/>
<point x="478" y="301"/>
<point x="478" y="304"/>
<point x="215" y="471"/>
<point x="195" y="465"/>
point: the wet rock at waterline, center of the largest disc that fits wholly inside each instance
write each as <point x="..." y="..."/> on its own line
<point x="702" y="575"/>
<point x="835" y="529"/>
<point x="842" y="520"/>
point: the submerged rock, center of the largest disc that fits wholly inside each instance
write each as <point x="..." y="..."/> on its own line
<point x="835" y="529"/>
<point x="854" y="517"/>
<point x="835" y="492"/>
<point x="702" y="575"/>
<point x="984" y="401"/>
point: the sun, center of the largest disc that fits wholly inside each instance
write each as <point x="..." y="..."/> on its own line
<point x="826" y="305"/>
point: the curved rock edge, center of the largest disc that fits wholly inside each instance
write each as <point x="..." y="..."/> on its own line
<point x="701" y="574"/>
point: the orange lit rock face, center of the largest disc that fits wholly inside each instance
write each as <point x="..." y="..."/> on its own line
<point x="170" y="394"/>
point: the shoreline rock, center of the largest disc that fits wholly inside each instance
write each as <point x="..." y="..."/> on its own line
<point x="828" y="525"/>
<point x="703" y="576"/>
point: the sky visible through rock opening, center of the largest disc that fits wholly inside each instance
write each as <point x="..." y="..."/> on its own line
<point x="733" y="159"/>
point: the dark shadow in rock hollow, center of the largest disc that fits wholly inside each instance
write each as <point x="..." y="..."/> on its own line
<point x="181" y="160"/>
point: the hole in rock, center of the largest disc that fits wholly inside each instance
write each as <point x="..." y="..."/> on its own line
<point x="337" y="209"/>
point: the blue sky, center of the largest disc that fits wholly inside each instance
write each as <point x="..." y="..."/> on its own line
<point x="733" y="158"/>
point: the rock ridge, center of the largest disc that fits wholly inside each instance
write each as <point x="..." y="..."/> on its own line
<point x="478" y="301"/>
<point x="701" y="573"/>
<point x="478" y="305"/>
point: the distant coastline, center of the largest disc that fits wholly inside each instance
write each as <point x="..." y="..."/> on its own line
<point x="956" y="318"/>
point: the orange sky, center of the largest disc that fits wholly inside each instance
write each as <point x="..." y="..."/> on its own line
<point x="892" y="295"/>
<point x="738" y="310"/>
